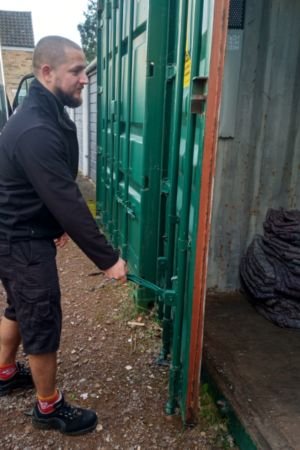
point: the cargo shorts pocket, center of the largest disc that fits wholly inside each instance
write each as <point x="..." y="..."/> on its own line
<point x="34" y="305"/>
<point x="39" y="317"/>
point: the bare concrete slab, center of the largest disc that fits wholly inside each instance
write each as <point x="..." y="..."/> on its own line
<point x="256" y="365"/>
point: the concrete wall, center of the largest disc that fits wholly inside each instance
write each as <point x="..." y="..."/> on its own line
<point x="16" y="64"/>
<point x="258" y="167"/>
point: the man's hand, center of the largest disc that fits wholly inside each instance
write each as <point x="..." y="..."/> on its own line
<point x="118" y="271"/>
<point x="61" y="241"/>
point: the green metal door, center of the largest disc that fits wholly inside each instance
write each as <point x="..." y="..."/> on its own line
<point x="183" y="176"/>
<point x="131" y="96"/>
<point x="153" y="68"/>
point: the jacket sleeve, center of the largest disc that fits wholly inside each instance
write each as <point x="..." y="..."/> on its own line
<point x="41" y="155"/>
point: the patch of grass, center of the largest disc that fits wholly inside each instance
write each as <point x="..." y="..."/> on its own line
<point x="72" y="396"/>
<point x="213" y="419"/>
<point x="209" y="411"/>
<point x="128" y="309"/>
<point x="92" y="206"/>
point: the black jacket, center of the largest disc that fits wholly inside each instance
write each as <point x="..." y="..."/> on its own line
<point x="39" y="197"/>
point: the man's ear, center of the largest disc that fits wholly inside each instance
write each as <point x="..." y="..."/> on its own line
<point x="46" y="73"/>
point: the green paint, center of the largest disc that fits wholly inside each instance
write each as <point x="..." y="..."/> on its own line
<point x="150" y="159"/>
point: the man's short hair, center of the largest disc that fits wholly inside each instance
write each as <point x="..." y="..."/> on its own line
<point x="51" y="50"/>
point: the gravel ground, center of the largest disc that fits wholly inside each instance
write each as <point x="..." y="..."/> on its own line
<point x="107" y="364"/>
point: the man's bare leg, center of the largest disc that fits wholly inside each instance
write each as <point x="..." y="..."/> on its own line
<point x="43" y="368"/>
<point x="13" y="375"/>
<point x="9" y="341"/>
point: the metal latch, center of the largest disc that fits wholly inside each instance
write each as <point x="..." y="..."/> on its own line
<point x="171" y="71"/>
<point x="199" y="95"/>
<point x="168" y="295"/>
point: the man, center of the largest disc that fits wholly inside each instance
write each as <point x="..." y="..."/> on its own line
<point x="40" y="204"/>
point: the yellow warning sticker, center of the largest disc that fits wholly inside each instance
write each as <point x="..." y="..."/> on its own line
<point x="187" y="70"/>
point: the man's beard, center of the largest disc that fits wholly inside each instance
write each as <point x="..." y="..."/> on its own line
<point x="67" y="99"/>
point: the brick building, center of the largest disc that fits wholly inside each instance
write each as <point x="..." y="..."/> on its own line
<point x="17" y="41"/>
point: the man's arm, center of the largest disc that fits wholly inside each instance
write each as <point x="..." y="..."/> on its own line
<point x="42" y="157"/>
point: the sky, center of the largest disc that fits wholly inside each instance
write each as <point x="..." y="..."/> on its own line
<point x="59" y="17"/>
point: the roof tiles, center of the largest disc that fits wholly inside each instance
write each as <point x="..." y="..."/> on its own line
<point x="16" y="29"/>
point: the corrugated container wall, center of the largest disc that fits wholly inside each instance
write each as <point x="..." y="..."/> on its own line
<point x="258" y="158"/>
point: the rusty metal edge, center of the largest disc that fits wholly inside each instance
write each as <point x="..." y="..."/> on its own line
<point x="220" y="22"/>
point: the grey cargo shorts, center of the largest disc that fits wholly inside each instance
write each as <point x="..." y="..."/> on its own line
<point x="29" y="275"/>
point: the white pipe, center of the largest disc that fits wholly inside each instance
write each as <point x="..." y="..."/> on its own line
<point x="85" y="131"/>
<point x="71" y="113"/>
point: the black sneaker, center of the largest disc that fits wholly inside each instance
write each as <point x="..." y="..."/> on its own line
<point x="21" y="379"/>
<point x="65" y="418"/>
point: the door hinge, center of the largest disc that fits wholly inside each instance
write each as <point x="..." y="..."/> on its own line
<point x="171" y="71"/>
<point x="165" y="186"/>
<point x="114" y="105"/>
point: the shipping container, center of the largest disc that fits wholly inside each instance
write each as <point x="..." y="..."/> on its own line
<point x="185" y="176"/>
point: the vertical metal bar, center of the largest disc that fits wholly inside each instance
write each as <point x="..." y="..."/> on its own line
<point x="128" y="125"/>
<point x="184" y="217"/>
<point x="173" y="167"/>
<point x="112" y="203"/>
<point x="204" y="220"/>
<point x="117" y="126"/>
<point x="100" y="70"/>
<point x="85" y="130"/>
<point x="106" y="110"/>
<point x="175" y="136"/>
<point x="153" y="128"/>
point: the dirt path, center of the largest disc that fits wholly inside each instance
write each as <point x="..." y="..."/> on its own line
<point x="105" y="364"/>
